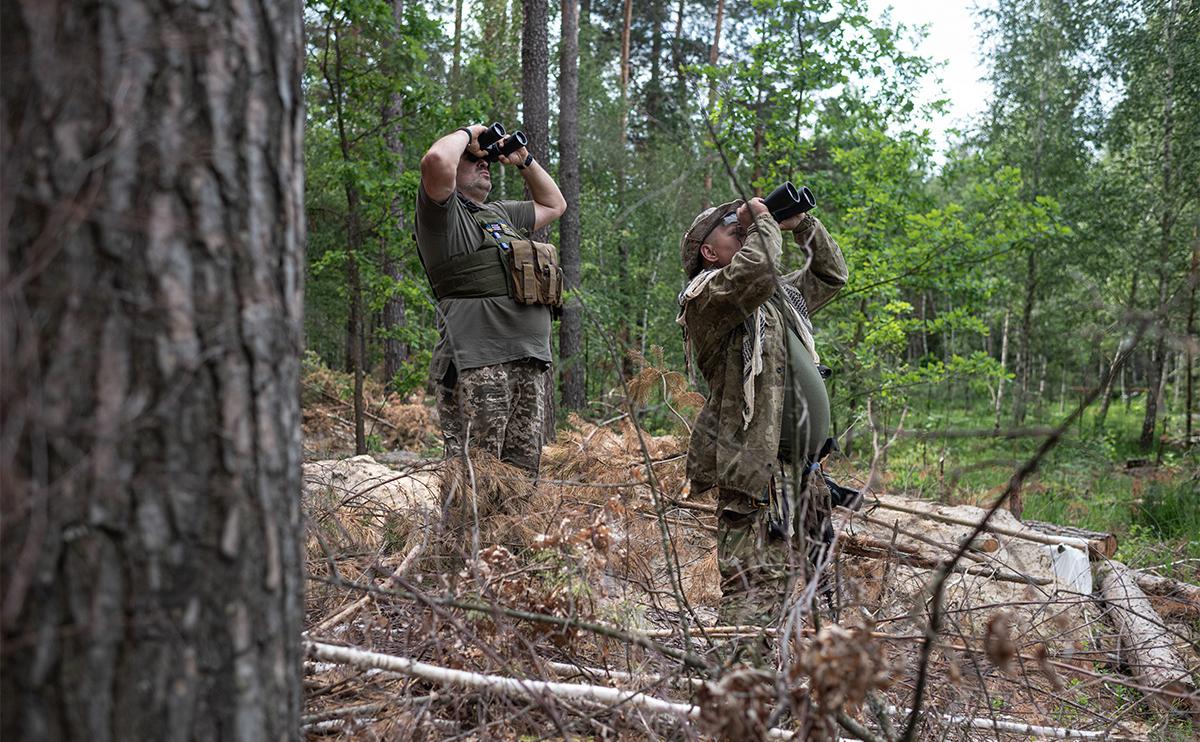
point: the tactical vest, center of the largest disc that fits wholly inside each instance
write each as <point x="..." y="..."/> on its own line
<point x="506" y="264"/>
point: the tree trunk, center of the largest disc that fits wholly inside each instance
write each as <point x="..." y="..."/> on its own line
<point x="1025" y="353"/>
<point x="354" y="248"/>
<point x="1166" y="224"/>
<point x="150" y="326"/>
<point x="456" y="62"/>
<point x="1003" y="369"/>
<point x="625" y="290"/>
<point x="395" y="350"/>
<point x="570" y="328"/>
<point x="654" y="88"/>
<point x="535" y="97"/>
<point x="1189" y="395"/>
<point x="677" y="59"/>
<point x="1147" y="646"/>
<point x="713" y="56"/>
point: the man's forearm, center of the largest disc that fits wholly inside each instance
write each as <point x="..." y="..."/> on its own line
<point x="439" y="166"/>
<point x="542" y="188"/>
<point x="548" y="201"/>
<point x="449" y="148"/>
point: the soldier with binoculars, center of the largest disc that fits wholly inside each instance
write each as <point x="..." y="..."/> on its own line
<point x="747" y="326"/>
<point x="496" y="290"/>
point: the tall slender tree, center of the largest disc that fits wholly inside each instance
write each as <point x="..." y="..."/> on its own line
<point x="570" y="329"/>
<point x="395" y="350"/>
<point x="535" y="95"/>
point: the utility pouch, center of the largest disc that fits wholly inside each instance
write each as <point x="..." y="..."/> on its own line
<point x="535" y="273"/>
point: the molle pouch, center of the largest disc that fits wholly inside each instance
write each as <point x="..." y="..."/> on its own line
<point x="536" y="275"/>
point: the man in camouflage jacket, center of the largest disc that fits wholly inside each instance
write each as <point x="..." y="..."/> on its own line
<point x="736" y="312"/>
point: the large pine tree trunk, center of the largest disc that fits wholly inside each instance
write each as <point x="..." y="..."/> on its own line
<point x="150" y="330"/>
<point x="570" y="328"/>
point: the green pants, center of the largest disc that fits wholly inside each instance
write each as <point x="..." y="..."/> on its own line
<point x="763" y="542"/>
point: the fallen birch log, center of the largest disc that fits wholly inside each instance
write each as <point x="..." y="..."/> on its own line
<point x="1100" y="544"/>
<point x="876" y="549"/>
<point x="1146" y="646"/>
<point x="1017" y="727"/>
<point x="538" y="690"/>
<point x="1171" y="597"/>
<point x="1025" y="534"/>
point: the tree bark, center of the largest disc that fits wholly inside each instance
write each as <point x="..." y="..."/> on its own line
<point x="535" y="96"/>
<point x="1025" y="352"/>
<point x="395" y="350"/>
<point x="570" y="328"/>
<point x="354" y="248"/>
<point x="625" y="290"/>
<point x="456" y="62"/>
<point x="150" y="326"/>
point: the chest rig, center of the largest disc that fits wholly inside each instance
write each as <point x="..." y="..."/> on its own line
<point x="505" y="264"/>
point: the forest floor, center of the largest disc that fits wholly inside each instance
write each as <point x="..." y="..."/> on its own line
<point x="600" y="577"/>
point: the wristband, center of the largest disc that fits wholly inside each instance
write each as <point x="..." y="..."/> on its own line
<point x="470" y="136"/>
<point x="527" y="163"/>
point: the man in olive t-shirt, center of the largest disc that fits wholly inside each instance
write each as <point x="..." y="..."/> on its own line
<point x="492" y="354"/>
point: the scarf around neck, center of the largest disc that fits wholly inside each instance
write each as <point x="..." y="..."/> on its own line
<point x="795" y="311"/>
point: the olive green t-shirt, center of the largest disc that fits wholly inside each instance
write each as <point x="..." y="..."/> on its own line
<point x="487" y="330"/>
<point x="805" y="399"/>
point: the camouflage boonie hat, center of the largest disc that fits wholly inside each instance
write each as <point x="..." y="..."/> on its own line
<point x="693" y="238"/>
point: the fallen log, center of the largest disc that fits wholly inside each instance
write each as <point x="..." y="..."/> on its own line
<point x="1171" y="597"/>
<point x="1147" y="647"/>
<point x="1027" y="534"/>
<point x="860" y="545"/>
<point x="1100" y="544"/>
<point x="537" y="690"/>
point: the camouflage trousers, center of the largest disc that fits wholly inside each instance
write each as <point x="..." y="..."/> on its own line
<point x="498" y="409"/>
<point x="766" y="542"/>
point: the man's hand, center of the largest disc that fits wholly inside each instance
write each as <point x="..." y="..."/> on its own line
<point x="474" y="148"/>
<point x="787" y="225"/>
<point x="516" y="158"/>
<point x="751" y="210"/>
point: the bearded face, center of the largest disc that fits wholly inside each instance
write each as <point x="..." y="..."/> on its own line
<point x="474" y="179"/>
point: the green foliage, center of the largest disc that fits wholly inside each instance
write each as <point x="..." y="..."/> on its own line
<point x="1008" y="267"/>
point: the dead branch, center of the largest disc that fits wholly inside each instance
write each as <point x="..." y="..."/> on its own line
<point x="349" y="611"/>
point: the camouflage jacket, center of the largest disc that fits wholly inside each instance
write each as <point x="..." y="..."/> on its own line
<point x="726" y="451"/>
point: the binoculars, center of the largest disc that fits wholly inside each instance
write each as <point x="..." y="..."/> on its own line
<point x="787" y="201"/>
<point x="495" y="142"/>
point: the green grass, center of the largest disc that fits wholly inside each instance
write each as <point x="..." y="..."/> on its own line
<point x="1083" y="481"/>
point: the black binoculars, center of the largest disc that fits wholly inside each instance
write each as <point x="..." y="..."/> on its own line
<point x="496" y="142"/>
<point x="787" y="201"/>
